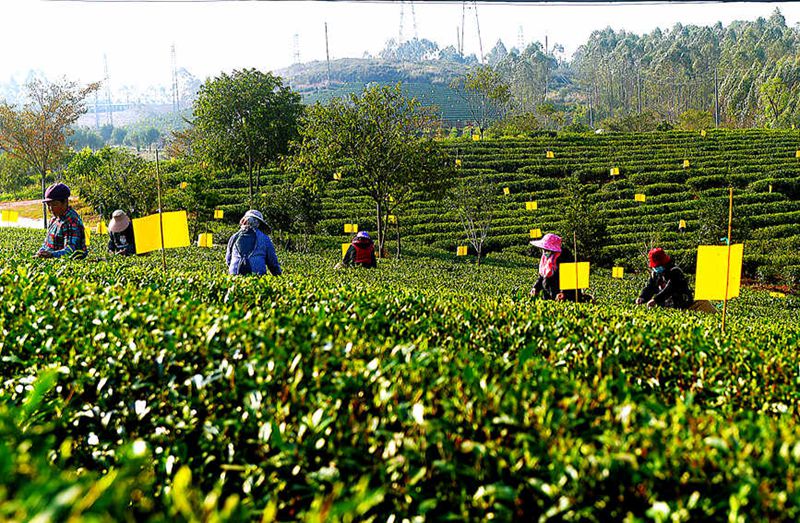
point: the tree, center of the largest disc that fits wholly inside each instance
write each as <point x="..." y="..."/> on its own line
<point x="37" y="133"/>
<point x="695" y="120"/>
<point x="486" y="94"/>
<point x="245" y="120"/>
<point x="581" y="217"/>
<point x="475" y="202"/>
<point x="113" y="179"/>
<point x="14" y="174"/>
<point x="376" y="141"/>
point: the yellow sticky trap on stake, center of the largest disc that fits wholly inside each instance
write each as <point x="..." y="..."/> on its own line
<point x="9" y="216"/>
<point x="458" y="162"/>
<point x="476" y="138"/>
<point x="462" y="250"/>
<point x="337" y="176"/>
<point x="770" y="187"/>
<point x="797" y="153"/>
<point x="712" y="265"/>
<point x="686" y="164"/>
<point x="703" y="133"/>
<point x="218" y="214"/>
<point x="536" y="233"/>
<point x="531" y="206"/>
<point x="615" y="171"/>
<point x="205" y="239"/>
<point x="617" y="272"/>
<point x="184" y="185"/>
<point x="639" y="197"/>
<point x="147" y="231"/>
<point x="550" y="154"/>
<point x="506" y="191"/>
<point x="566" y="276"/>
<point x="87" y="233"/>
<point x="392" y="218"/>
<point x="345" y="246"/>
<point x="682" y="224"/>
<point x="776" y="294"/>
<point x="101" y="228"/>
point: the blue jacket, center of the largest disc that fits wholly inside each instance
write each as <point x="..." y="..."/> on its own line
<point x="262" y="257"/>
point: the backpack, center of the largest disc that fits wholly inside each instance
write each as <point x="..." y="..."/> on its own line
<point x="244" y="244"/>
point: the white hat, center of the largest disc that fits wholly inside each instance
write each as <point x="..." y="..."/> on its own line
<point x="252" y="213"/>
<point x="119" y="221"/>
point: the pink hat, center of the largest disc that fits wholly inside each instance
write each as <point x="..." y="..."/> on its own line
<point x="119" y="221"/>
<point x="548" y="242"/>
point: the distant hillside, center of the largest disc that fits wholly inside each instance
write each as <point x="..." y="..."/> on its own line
<point x="427" y="81"/>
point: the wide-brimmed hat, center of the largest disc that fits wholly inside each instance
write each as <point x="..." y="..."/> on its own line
<point x="119" y="221"/>
<point x="548" y="242"/>
<point x="658" y="257"/>
<point x="57" y="191"/>
<point x="252" y="213"/>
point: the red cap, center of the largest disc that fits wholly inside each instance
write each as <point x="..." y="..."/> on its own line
<point x="658" y="257"/>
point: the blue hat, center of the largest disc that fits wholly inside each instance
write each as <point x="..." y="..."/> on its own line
<point x="57" y="191"/>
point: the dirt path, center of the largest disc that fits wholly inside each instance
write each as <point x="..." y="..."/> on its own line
<point x="21" y="203"/>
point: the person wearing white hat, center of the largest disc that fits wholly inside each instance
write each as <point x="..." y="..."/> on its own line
<point x="250" y="250"/>
<point x="120" y="234"/>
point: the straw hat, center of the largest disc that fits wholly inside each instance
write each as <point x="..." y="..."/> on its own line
<point x="119" y="221"/>
<point x="548" y="242"/>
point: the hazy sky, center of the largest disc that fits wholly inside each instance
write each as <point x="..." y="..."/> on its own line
<point x="70" y="38"/>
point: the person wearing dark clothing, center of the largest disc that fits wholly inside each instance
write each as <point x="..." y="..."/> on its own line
<point x="66" y="237"/>
<point x="547" y="285"/>
<point x="667" y="286"/>
<point x="120" y="234"/>
<point x="250" y="250"/>
<point x="361" y="252"/>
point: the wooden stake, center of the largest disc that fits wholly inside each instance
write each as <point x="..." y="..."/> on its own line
<point x="575" y="250"/>
<point x="160" y="213"/>
<point x="728" y="265"/>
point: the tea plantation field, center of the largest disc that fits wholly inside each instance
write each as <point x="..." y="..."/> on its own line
<point x="423" y="390"/>
<point x="761" y="165"/>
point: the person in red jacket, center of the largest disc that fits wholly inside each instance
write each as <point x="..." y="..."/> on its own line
<point x="361" y="252"/>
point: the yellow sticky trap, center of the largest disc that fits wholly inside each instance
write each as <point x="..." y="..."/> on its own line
<point x="506" y="191"/>
<point x="703" y="133"/>
<point x="392" y="218"/>
<point x="476" y="138"/>
<point x="345" y="246"/>
<point x="337" y="176"/>
<point x="615" y="171"/>
<point x="391" y="199"/>
<point x="9" y="216"/>
<point x="776" y="294"/>
<point x="770" y="187"/>
<point x="531" y="206"/>
<point x="639" y="197"/>
<point x="458" y="162"/>
<point x="218" y="214"/>
<point x="617" y="272"/>
<point x="797" y="153"/>
<point x="351" y="227"/>
<point x="536" y="233"/>
<point x="712" y="265"/>
<point x="184" y="185"/>
<point x="205" y="239"/>
<point x="462" y="250"/>
<point x="101" y="228"/>
<point x="147" y="231"/>
<point x="686" y="164"/>
<point x="550" y="154"/>
<point x="682" y="224"/>
<point x="566" y="276"/>
<point x="87" y="233"/>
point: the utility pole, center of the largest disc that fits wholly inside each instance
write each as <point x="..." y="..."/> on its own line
<point x="175" y="101"/>
<point x="414" y="20"/>
<point x="109" y="109"/>
<point x="478" y="27"/>
<point x="463" y="15"/>
<point x="296" y="48"/>
<point x="327" y="56"/>
<point x="400" y="32"/>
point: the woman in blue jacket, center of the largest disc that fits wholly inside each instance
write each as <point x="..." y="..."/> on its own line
<point x="250" y="250"/>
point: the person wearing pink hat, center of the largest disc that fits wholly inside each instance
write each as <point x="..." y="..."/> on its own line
<point x="120" y="234"/>
<point x="667" y="286"/>
<point x="547" y="284"/>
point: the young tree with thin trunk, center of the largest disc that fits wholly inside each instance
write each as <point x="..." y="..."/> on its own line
<point x="375" y="141"/>
<point x="37" y="132"/>
<point x="475" y="201"/>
